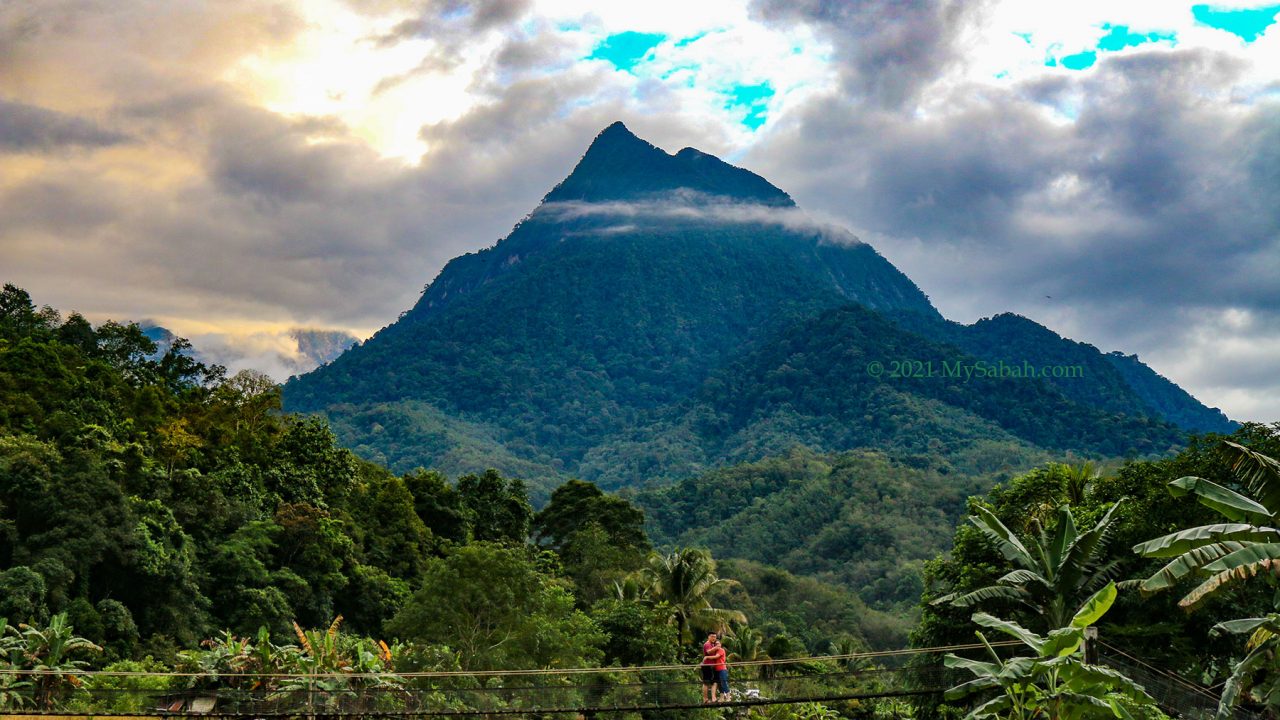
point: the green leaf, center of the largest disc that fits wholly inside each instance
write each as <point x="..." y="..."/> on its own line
<point x="993" y="708"/>
<point x="1065" y="533"/>
<point x="1095" y="607"/>
<point x="1250" y="555"/>
<point x="1187" y="563"/>
<point x="977" y="667"/>
<point x="1179" y="542"/>
<point x="1023" y="577"/>
<point x="1007" y="627"/>
<point x="1247" y="625"/>
<point x="991" y="592"/>
<point x="1260" y="473"/>
<point x="1080" y="556"/>
<point x="1230" y="503"/>
<point x="972" y="686"/>
<point x="1010" y="546"/>
<point x="1239" y="565"/>
<point x="1234" y="686"/>
<point x="1062" y="642"/>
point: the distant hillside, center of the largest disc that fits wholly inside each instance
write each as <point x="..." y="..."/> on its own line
<point x="1113" y="381"/>
<point x="658" y="315"/>
<point x="858" y="520"/>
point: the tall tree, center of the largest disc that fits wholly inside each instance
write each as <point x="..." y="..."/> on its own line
<point x="491" y="603"/>
<point x="685" y="579"/>
<point x="497" y="509"/>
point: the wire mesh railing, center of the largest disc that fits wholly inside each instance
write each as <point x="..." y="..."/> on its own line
<point x="1177" y="695"/>
<point x="576" y="691"/>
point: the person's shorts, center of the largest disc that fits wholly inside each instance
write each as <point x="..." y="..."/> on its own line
<point x="722" y="676"/>
<point x="708" y="675"/>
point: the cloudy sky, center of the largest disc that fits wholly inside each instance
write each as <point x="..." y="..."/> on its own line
<point x="236" y="168"/>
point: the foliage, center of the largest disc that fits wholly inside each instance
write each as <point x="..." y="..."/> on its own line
<point x="599" y="538"/>
<point x="497" y="509"/>
<point x="148" y="496"/>
<point x="638" y="633"/>
<point x="50" y="654"/>
<point x="1055" y="568"/>
<point x="811" y="612"/>
<point x="1150" y="627"/>
<point x="684" y="580"/>
<point x="1053" y="681"/>
<point x="860" y="519"/>
<point x="1221" y="554"/>
<point x="498" y="609"/>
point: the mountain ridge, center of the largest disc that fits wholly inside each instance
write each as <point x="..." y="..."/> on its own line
<point x="584" y="341"/>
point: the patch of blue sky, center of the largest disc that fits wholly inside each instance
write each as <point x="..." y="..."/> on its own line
<point x="1246" y="23"/>
<point x="1119" y="37"/>
<point x="1026" y="37"/>
<point x="752" y="101"/>
<point x="684" y="42"/>
<point x="1079" y="61"/>
<point x="625" y="50"/>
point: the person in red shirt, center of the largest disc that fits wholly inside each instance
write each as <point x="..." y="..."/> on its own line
<point x="722" y="673"/>
<point x="708" y="668"/>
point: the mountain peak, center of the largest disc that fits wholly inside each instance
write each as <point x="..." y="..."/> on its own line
<point x="618" y="165"/>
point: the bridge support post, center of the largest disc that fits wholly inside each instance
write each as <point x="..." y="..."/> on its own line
<point x="1091" y="645"/>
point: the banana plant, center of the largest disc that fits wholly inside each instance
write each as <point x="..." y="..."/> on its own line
<point x="337" y="665"/>
<point x="14" y="689"/>
<point x="1263" y="650"/>
<point x="48" y="652"/>
<point x="1222" y="554"/>
<point x="1052" y="681"/>
<point x="1053" y="570"/>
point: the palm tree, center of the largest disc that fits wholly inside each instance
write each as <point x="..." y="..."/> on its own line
<point x="1054" y="570"/>
<point x="685" y="579"/>
<point x="1225" y="553"/>
<point x="749" y="647"/>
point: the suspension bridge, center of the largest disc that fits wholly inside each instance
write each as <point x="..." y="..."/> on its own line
<point x="873" y="683"/>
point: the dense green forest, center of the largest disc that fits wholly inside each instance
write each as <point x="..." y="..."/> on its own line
<point x="859" y="520"/>
<point x="155" y="506"/>
<point x="156" y="514"/>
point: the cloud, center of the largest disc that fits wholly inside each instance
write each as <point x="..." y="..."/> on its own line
<point x="1139" y="195"/>
<point x="28" y="128"/>
<point x="689" y="206"/>
<point x="277" y="353"/>
<point x="890" y="49"/>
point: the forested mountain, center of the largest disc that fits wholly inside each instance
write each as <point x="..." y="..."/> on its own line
<point x="151" y="502"/>
<point x="1115" y="382"/>
<point x="659" y="315"/>
<point x="857" y="520"/>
